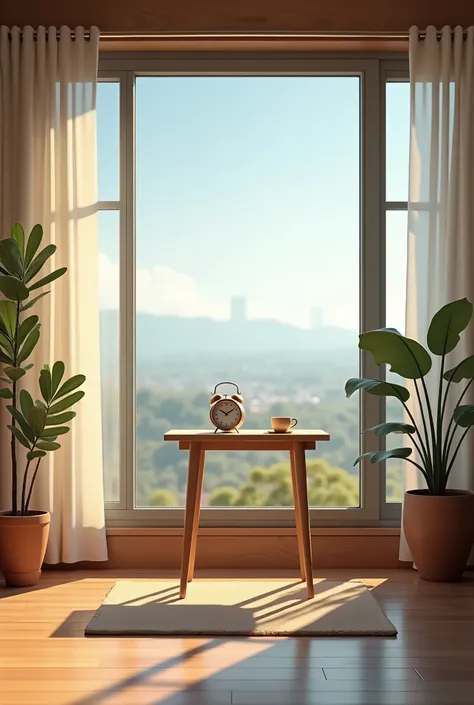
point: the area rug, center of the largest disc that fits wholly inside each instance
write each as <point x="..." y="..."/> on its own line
<point x="239" y="608"/>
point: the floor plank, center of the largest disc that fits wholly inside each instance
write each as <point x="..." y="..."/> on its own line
<point x="46" y="660"/>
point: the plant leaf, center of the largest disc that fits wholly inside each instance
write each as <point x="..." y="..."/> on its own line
<point x="70" y="385"/>
<point x="376" y="387"/>
<point x="6" y="345"/>
<point x="8" y="316"/>
<point x="58" y="431"/>
<point x="39" y="261"/>
<point x="23" y="423"/>
<point x="447" y="324"/>
<point x="45" y="385"/>
<point x="37" y="419"/>
<point x="66" y="402"/>
<point x="19" y="436"/>
<point x="29" y="345"/>
<point x="34" y="241"/>
<point x="13" y="288"/>
<point x="18" y="234"/>
<point x="464" y="415"/>
<point x="405" y="356"/>
<point x="6" y="394"/>
<point x="380" y="455"/>
<point x="10" y="257"/>
<point x="25" y="307"/>
<point x="463" y="370"/>
<point x="48" y="445"/>
<point x="383" y="429"/>
<point x="32" y="454"/>
<point x="57" y="375"/>
<point x="14" y="373"/>
<point x="60" y="418"/>
<point x="26" y="402"/>
<point x="49" y="278"/>
<point x="26" y="327"/>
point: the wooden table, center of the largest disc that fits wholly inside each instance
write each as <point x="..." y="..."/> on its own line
<point x="198" y="442"/>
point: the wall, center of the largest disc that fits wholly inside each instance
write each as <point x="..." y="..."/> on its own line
<point x="240" y="15"/>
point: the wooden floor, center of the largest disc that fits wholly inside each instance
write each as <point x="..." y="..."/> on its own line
<point x="45" y="659"/>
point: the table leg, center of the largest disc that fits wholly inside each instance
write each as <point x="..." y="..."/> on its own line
<point x="301" y="482"/>
<point x="197" y="511"/>
<point x="296" y="498"/>
<point x="190" y="511"/>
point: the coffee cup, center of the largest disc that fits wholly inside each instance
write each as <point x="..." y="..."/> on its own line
<point x="283" y="424"/>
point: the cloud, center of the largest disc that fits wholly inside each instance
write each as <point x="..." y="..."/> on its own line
<point x="160" y="291"/>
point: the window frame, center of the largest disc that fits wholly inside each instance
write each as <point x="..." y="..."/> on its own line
<point x="374" y="72"/>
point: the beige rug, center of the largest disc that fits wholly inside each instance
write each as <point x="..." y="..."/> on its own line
<point x="239" y="608"/>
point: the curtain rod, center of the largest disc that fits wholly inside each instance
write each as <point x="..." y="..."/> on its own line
<point x="250" y="35"/>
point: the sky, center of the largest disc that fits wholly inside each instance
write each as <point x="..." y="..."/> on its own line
<point x="249" y="186"/>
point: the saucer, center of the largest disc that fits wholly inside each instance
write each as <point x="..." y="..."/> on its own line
<point x="280" y="433"/>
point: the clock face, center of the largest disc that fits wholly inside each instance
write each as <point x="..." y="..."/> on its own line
<point x="226" y="414"/>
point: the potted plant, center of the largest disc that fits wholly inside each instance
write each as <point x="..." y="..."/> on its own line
<point x="438" y="522"/>
<point x="35" y="425"/>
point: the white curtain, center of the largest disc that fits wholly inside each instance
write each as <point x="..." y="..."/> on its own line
<point x="48" y="175"/>
<point x="441" y="203"/>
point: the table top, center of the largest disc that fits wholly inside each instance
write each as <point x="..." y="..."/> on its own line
<point x="202" y="435"/>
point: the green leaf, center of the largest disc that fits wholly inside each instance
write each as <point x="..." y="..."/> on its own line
<point x="13" y="288"/>
<point x="39" y="261"/>
<point x="45" y="385"/>
<point x="10" y="257"/>
<point x="26" y="327"/>
<point x="29" y="345"/>
<point x="8" y="316"/>
<point x="60" y="418"/>
<point x="37" y="419"/>
<point x="14" y="373"/>
<point x="49" y="278"/>
<point x="58" y="431"/>
<point x="464" y="415"/>
<point x="377" y="388"/>
<point x="57" y="375"/>
<point x="66" y="403"/>
<point x="41" y="405"/>
<point x="383" y="429"/>
<point x="25" y="307"/>
<point x="34" y="241"/>
<point x="32" y="454"/>
<point x="405" y="356"/>
<point x="463" y="370"/>
<point x="6" y="345"/>
<point x="380" y="455"/>
<point x="18" y="234"/>
<point x="447" y="323"/>
<point x="48" y="445"/>
<point x="6" y="394"/>
<point x="23" y="423"/>
<point x="70" y="385"/>
<point x="26" y="403"/>
<point x="19" y="436"/>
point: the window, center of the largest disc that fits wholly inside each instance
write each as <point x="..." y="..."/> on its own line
<point x="239" y="229"/>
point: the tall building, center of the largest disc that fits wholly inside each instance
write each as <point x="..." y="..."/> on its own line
<point x="316" y="318"/>
<point x="238" y="309"/>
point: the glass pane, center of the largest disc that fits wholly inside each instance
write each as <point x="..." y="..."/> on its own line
<point x="397" y="140"/>
<point x="247" y="269"/>
<point x="108" y="140"/>
<point x="396" y="273"/>
<point x="109" y="303"/>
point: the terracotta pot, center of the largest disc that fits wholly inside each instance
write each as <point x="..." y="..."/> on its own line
<point x="440" y="532"/>
<point x="23" y="541"/>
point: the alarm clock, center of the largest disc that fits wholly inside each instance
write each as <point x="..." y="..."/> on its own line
<point x="227" y="412"/>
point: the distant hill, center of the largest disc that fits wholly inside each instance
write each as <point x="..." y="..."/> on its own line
<point x="164" y="335"/>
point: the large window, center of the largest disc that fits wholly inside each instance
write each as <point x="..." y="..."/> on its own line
<point x="240" y="238"/>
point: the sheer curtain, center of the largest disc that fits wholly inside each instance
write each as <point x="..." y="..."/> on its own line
<point x="441" y="202"/>
<point x="48" y="167"/>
